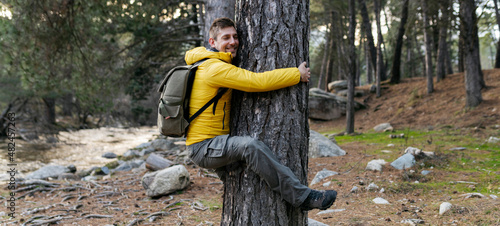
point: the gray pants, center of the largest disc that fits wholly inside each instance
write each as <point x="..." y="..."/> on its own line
<point x="223" y="150"/>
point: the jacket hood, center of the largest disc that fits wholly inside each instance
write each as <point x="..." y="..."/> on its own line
<point x="200" y="53"/>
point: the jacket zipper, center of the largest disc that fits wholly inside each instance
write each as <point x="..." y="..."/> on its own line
<point x="224" y="117"/>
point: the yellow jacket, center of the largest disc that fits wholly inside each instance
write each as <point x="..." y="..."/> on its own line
<point x="218" y="72"/>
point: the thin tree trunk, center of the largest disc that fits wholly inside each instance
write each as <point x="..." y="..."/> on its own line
<point x="273" y="34"/>
<point x="396" y="63"/>
<point x="351" y="53"/>
<point x="473" y="75"/>
<point x="322" y="81"/>
<point x="50" y="109"/>
<point x="368" y="32"/>
<point x="428" y="48"/>
<point x="497" y="57"/>
<point x="442" y="47"/>
<point x="215" y="9"/>
<point x="332" y="49"/>
<point x="380" y="43"/>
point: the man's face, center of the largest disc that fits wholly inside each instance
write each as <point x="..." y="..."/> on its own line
<point x="227" y="41"/>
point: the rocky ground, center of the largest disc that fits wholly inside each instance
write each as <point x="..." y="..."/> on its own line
<point x="120" y="199"/>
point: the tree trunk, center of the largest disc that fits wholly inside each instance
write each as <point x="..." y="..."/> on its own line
<point x="323" y="77"/>
<point x="396" y="61"/>
<point x="368" y="31"/>
<point x="215" y="9"/>
<point x="428" y="48"/>
<point x="273" y="34"/>
<point x="50" y="110"/>
<point x="369" y="65"/>
<point x="443" y="46"/>
<point x="380" y="43"/>
<point x="473" y="75"/>
<point x="332" y="49"/>
<point x="497" y="57"/>
<point x="351" y="53"/>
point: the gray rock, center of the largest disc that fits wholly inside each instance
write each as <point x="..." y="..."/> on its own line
<point x="320" y="146"/>
<point x="147" y="151"/>
<point x="129" y="165"/>
<point x="143" y="145"/>
<point x="383" y="127"/>
<point x="164" y="145"/>
<point x="312" y="222"/>
<point x="493" y="140"/>
<point x="413" y="151"/>
<point x="328" y="106"/>
<point x="444" y="207"/>
<point x="412" y="221"/>
<point x="404" y="162"/>
<point x="165" y="181"/>
<point x="52" y="171"/>
<point x="330" y="211"/>
<point x="68" y="176"/>
<point x="131" y="153"/>
<point x="109" y="155"/>
<point x="425" y="172"/>
<point x="354" y="189"/>
<point x="372" y="186"/>
<point x="375" y="165"/>
<point x="379" y="200"/>
<point x="322" y="175"/>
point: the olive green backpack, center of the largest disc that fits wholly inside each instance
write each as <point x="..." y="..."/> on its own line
<point x="173" y="106"/>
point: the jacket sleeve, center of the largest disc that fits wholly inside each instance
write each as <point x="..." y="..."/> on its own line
<point x="221" y="74"/>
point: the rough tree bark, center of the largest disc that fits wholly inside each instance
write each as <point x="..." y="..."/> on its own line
<point x="428" y="48"/>
<point x="351" y="75"/>
<point x="443" y="45"/>
<point x="273" y="34"/>
<point x="215" y="9"/>
<point x="396" y="62"/>
<point x="473" y="74"/>
<point x="368" y="31"/>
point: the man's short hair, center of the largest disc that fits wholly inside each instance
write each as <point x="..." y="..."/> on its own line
<point x="218" y="24"/>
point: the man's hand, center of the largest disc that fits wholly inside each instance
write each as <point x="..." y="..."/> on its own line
<point x="305" y="73"/>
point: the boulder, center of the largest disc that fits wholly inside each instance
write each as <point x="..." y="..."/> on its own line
<point x="320" y="146"/>
<point x="357" y="93"/>
<point x="52" y="171"/>
<point x="404" y="162"/>
<point x="165" y="181"/>
<point x="327" y="106"/>
<point x="337" y="85"/>
<point x="383" y="127"/>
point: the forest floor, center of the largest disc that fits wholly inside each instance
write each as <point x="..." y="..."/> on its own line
<point x="433" y="122"/>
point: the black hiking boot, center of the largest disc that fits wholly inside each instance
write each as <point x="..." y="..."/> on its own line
<point x="319" y="200"/>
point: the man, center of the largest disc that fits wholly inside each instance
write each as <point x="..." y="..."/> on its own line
<point x="208" y="137"/>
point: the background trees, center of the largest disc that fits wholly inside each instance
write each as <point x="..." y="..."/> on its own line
<point x="95" y="61"/>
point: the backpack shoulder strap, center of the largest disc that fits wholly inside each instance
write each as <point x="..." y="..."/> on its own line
<point x="216" y="98"/>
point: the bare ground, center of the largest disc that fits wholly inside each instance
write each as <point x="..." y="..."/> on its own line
<point x="121" y="200"/>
